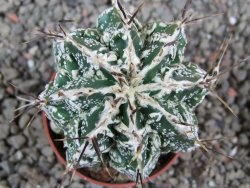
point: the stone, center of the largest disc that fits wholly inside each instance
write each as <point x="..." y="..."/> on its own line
<point x="210" y="26"/>
<point x="1" y="92"/>
<point x="17" y="141"/>
<point x="71" y="3"/>
<point x="14" y="129"/>
<point x="27" y="85"/>
<point x="47" y="151"/>
<point x="41" y="3"/>
<point x="17" y="29"/>
<point x="3" y="148"/>
<point x="240" y="74"/>
<point x="5" y="29"/>
<point x="79" y="185"/>
<point x="58" y="13"/>
<point x="57" y="170"/>
<point x="42" y="141"/>
<point x="233" y="20"/>
<point x="27" y="185"/>
<point x="14" y="180"/>
<point x="23" y="121"/>
<point x="94" y="186"/>
<point x="45" y="165"/>
<point x="173" y="181"/>
<point x="17" y="157"/>
<point x="31" y="64"/>
<point x="31" y="173"/>
<point x="29" y="133"/>
<point x="9" y="73"/>
<point x="3" y="184"/>
<point x="4" y="133"/>
<point x="243" y="139"/>
<point x="7" y="167"/>
<point x="245" y="89"/>
<point x="8" y="107"/>
<point x="53" y="3"/>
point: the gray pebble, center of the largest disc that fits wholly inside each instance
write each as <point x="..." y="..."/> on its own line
<point x="14" y="129"/>
<point x="235" y="125"/>
<point x="7" y="167"/>
<point x="44" y="163"/>
<point x="240" y="74"/>
<point x="5" y="129"/>
<point x="22" y="11"/>
<point x="1" y="75"/>
<point x="17" y="157"/>
<point x="9" y="73"/>
<point x="3" y="148"/>
<point x="47" y="151"/>
<point x="58" y="13"/>
<point x="14" y="180"/>
<point x="17" y="141"/>
<point x="80" y="185"/>
<point x="41" y="3"/>
<point x="245" y="89"/>
<point x="1" y="92"/>
<point x="5" y="29"/>
<point x="204" y="44"/>
<point x="31" y="154"/>
<point x="42" y="141"/>
<point x="27" y="184"/>
<point x="210" y="26"/>
<point x="5" y="6"/>
<point x="93" y="186"/>
<point x="243" y="139"/>
<point x="27" y="85"/>
<point x="71" y="3"/>
<point x="173" y="181"/>
<point x="238" y="47"/>
<point x="32" y="174"/>
<point x="28" y="133"/>
<point x="17" y="29"/>
<point x="3" y="184"/>
<point x="52" y="3"/>
<point x="23" y="121"/>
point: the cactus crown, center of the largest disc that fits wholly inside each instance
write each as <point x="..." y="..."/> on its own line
<point x="123" y="90"/>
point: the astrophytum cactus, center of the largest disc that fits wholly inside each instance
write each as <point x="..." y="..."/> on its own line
<point x="123" y="93"/>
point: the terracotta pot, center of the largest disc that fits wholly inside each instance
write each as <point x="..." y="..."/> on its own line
<point x="59" y="151"/>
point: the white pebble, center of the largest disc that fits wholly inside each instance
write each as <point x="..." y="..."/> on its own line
<point x="232" y="20"/>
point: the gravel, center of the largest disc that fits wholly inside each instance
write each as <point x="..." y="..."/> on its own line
<point x="47" y="151"/>
<point x="4" y="133"/>
<point x="9" y="73"/>
<point x="23" y="121"/>
<point x="26" y="159"/>
<point x="8" y="106"/>
<point x="16" y="141"/>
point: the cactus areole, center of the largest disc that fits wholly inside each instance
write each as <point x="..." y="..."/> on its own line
<point x="124" y="91"/>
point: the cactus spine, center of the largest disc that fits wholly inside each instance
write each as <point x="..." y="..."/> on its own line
<point x="124" y="90"/>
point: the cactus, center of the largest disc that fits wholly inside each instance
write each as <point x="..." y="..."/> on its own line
<point x="123" y="93"/>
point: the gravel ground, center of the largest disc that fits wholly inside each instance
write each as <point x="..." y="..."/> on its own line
<point x="26" y="159"/>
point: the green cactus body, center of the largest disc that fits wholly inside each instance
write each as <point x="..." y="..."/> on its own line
<point x="127" y="86"/>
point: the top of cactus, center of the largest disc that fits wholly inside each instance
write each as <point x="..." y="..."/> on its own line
<point x="123" y="90"/>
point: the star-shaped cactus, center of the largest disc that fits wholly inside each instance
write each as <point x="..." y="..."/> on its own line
<point x="124" y="90"/>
